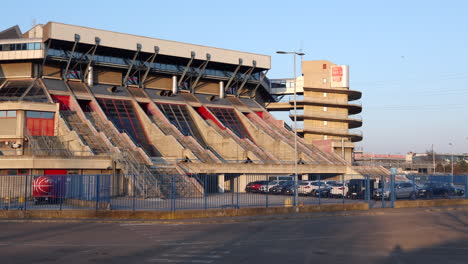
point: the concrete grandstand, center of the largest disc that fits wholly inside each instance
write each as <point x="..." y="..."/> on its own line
<point x="76" y="100"/>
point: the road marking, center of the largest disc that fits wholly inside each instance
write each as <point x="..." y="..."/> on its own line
<point x="159" y="260"/>
<point x="191" y="256"/>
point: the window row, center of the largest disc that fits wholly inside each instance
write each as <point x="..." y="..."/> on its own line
<point x="39" y="114"/>
<point x="20" y="46"/>
<point x="6" y="114"/>
<point x="155" y="65"/>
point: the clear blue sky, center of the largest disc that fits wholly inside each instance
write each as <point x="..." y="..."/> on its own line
<point x="409" y="58"/>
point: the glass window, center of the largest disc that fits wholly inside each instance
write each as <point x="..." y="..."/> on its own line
<point x="4" y="114"/>
<point x="23" y="172"/>
<point x="31" y="46"/>
<point x="33" y="114"/>
<point x="37" y="46"/>
<point x="48" y="115"/>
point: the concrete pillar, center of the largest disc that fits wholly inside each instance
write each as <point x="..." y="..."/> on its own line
<point x="242" y="182"/>
<point x="221" y="89"/>
<point x="20" y="127"/>
<point x="221" y="183"/>
<point x="90" y="79"/>
<point x="174" y="84"/>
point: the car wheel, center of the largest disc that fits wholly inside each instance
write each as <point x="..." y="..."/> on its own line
<point x="413" y="196"/>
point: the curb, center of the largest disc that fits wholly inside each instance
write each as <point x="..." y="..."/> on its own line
<point x="226" y="220"/>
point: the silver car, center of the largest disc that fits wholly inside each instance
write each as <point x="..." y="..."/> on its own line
<point x="403" y="190"/>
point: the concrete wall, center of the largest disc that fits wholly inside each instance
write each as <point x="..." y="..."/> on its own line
<point x="15" y="70"/>
<point x="224" y="146"/>
<point x="171" y="48"/>
<point x="104" y="76"/>
<point x="159" y="82"/>
<point x="71" y="140"/>
<point x="278" y="148"/>
<point x="169" y="147"/>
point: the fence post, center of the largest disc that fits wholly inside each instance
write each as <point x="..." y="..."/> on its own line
<point x="60" y="196"/>
<point x="414" y="188"/>
<point x="466" y="186"/>
<point x="319" y="189"/>
<point x="368" y="190"/>
<point x="134" y="192"/>
<point x="97" y="191"/>
<point x="173" y="194"/>
<point x="382" y="189"/>
<point x="205" y="185"/>
<point x="25" y="191"/>
<point x="237" y="195"/>
<point x="392" y="189"/>
<point x="267" y="187"/>
<point x="343" y="191"/>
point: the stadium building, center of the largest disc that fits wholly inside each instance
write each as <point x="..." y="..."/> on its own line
<point x="77" y="100"/>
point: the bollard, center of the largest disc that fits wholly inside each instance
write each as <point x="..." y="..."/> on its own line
<point x="288" y="202"/>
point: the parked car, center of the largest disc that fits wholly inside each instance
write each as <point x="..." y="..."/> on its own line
<point x="280" y="188"/>
<point x="338" y="189"/>
<point x="289" y="189"/>
<point x="440" y="189"/>
<point x="459" y="191"/>
<point x="254" y="186"/>
<point x="357" y="188"/>
<point x="306" y="187"/>
<point x="267" y="186"/>
<point x="402" y="190"/>
<point x="323" y="192"/>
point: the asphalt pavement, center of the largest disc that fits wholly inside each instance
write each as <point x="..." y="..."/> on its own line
<point x="390" y="236"/>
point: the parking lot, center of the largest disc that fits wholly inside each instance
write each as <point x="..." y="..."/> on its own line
<point x="397" y="236"/>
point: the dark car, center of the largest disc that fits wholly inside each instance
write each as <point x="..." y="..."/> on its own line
<point x="280" y="188"/>
<point x="438" y="189"/>
<point x="357" y="188"/>
<point x="323" y="192"/>
<point x="289" y="189"/>
<point x="254" y="186"/>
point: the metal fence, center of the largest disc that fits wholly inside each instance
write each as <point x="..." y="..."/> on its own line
<point x="171" y="192"/>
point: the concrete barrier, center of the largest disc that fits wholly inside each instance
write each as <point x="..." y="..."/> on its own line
<point x="430" y="203"/>
<point x="87" y="204"/>
<point x="182" y="214"/>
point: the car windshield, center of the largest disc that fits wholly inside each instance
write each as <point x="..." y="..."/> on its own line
<point x="318" y="183"/>
<point x="303" y="183"/>
<point x="273" y="183"/>
<point x="337" y="184"/>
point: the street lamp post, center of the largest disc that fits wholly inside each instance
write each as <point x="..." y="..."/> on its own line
<point x="294" y="53"/>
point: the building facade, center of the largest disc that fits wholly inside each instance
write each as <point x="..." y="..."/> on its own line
<point x="326" y="106"/>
